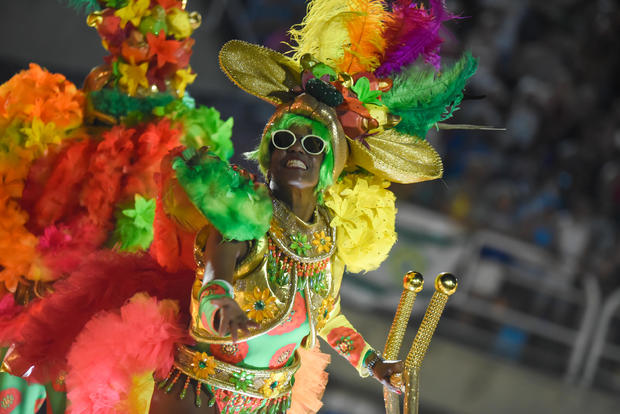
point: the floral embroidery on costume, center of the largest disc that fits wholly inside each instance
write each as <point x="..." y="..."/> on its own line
<point x="282" y="355"/>
<point x="203" y="365"/>
<point x="9" y="399"/>
<point x="231" y="353"/>
<point x="322" y="243"/>
<point x="294" y="320"/>
<point x="259" y="305"/>
<point x="326" y="308"/>
<point x="300" y="244"/>
<point x="242" y="380"/>
<point x="273" y="385"/>
<point x="347" y="342"/>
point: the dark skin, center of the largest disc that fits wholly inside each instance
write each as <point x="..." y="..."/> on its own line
<point x="293" y="184"/>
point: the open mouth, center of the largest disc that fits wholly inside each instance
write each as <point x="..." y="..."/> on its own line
<point x="295" y="163"/>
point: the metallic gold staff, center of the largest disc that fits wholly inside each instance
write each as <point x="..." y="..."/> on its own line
<point x="445" y="286"/>
<point x="413" y="282"/>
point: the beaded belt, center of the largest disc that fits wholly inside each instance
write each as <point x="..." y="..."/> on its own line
<point x="263" y="383"/>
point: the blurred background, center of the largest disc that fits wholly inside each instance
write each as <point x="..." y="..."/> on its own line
<point x="526" y="218"/>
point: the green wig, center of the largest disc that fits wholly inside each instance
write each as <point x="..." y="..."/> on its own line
<point x="263" y="153"/>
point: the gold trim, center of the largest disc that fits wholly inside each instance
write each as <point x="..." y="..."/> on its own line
<point x="203" y="336"/>
<point x="223" y="376"/>
<point x="289" y="223"/>
<point x="252" y="259"/>
<point x="200" y="243"/>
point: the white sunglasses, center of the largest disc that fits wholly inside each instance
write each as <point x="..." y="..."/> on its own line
<point x="284" y="139"/>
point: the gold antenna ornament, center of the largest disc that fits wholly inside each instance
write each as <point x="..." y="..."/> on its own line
<point x="445" y="286"/>
<point x="413" y="282"/>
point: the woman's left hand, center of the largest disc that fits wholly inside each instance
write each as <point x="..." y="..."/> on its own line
<point x="383" y="370"/>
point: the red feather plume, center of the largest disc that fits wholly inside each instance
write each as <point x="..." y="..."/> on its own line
<point x="105" y="281"/>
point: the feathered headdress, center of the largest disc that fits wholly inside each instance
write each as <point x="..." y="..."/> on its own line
<point x="371" y="72"/>
<point x="377" y="67"/>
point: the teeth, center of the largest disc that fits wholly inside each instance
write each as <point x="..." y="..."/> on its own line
<point x="296" y="164"/>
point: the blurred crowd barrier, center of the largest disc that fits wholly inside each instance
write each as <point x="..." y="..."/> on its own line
<point x="516" y="300"/>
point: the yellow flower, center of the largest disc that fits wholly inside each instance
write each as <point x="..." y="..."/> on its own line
<point x="133" y="76"/>
<point x="178" y="23"/>
<point x="182" y="78"/>
<point x="322" y="242"/>
<point x="364" y="215"/>
<point x="133" y="12"/>
<point x="326" y="308"/>
<point x="40" y="134"/>
<point x="273" y="385"/>
<point x="260" y="305"/>
<point x="203" y="365"/>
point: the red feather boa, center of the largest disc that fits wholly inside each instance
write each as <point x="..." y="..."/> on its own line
<point x="105" y="281"/>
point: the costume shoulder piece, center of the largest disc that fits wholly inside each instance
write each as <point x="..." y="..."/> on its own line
<point x="227" y="196"/>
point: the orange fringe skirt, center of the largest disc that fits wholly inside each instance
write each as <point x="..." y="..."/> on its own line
<point x="310" y="381"/>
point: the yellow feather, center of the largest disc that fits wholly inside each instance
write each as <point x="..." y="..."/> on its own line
<point x="323" y="32"/>
<point x="366" y="36"/>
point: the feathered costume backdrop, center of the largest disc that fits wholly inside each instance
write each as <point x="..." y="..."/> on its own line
<point x="99" y="203"/>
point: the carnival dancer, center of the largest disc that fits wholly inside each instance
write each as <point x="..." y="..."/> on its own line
<point x="258" y="302"/>
<point x="117" y="221"/>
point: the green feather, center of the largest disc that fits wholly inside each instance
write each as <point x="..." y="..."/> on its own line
<point x="116" y="4"/>
<point x="118" y="104"/>
<point x="422" y="98"/>
<point x="203" y="127"/>
<point x="227" y="199"/>
<point x="87" y="6"/>
<point x="134" y="226"/>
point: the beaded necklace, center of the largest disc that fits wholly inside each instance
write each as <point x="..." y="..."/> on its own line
<point x="299" y="249"/>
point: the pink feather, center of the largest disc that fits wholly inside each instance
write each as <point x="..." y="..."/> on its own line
<point x="11" y="320"/>
<point x="64" y="247"/>
<point x="116" y="346"/>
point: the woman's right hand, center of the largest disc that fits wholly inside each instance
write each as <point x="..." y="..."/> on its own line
<point x="230" y="318"/>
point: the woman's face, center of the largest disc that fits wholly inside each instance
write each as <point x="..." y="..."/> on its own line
<point x="293" y="166"/>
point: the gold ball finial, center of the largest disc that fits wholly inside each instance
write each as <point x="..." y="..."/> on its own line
<point x="195" y="20"/>
<point x="307" y="61"/>
<point x="94" y="19"/>
<point x="446" y="283"/>
<point x="413" y="281"/>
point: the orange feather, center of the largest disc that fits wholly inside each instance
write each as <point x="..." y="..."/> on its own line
<point x="366" y="35"/>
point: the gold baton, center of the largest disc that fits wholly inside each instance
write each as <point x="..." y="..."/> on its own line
<point x="445" y="285"/>
<point x="412" y="285"/>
